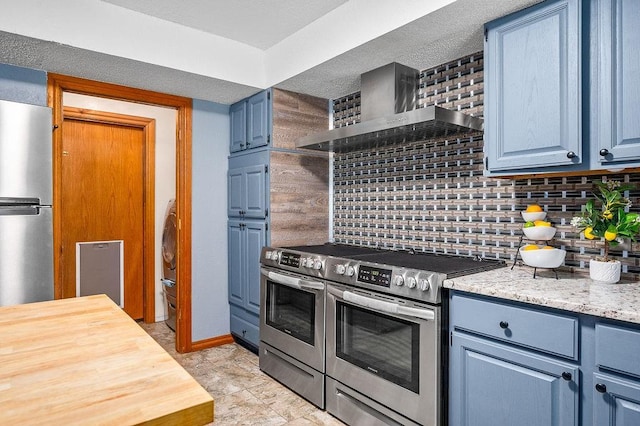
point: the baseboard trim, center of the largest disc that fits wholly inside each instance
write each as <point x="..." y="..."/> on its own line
<point x="212" y="342"/>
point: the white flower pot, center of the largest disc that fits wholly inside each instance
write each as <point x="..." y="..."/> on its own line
<point x="605" y="272"/>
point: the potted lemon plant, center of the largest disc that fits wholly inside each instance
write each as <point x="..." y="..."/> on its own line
<point x="607" y="217"/>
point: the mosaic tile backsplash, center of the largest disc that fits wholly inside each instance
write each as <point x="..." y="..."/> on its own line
<point x="431" y="196"/>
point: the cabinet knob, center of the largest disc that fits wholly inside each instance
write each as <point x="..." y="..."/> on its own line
<point x="504" y="324"/>
<point x="566" y="375"/>
<point x="604" y="152"/>
<point x="601" y="387"/>
<point x="571" y="154"/>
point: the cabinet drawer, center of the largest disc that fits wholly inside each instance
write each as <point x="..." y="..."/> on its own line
<point x="245" y="326"/>
<point x="617" y="348"/>
<point x="552" y="333"/>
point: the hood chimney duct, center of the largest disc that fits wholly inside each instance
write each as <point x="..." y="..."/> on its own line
<point x="388" y="90"/>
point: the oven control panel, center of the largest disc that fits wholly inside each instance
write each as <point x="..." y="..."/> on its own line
<point x="312" y="265"/>
<point x="402" y="282"/>
<point x="374" y="276"/>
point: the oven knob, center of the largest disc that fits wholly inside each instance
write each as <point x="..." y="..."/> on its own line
<point x="303" y="262"/>
<point x="398" y="280"/>
<point x="267" y="255"/>
<point x="317" y="265"/>
<point x="309" y="262"/>
<point x="423" y="284"/>
<point x="275" y="256"/>
<point x="340" y="269"/>
<point x="350" y="271"/>
<point x="411" y="282"/>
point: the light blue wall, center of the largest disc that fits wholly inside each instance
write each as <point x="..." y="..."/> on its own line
<point x="210" y="307"/>
<point x="24" y="85"/>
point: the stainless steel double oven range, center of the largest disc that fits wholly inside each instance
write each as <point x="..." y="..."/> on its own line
<point x="358" y="330"/>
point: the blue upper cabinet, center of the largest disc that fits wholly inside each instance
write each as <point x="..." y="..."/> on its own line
<point x="258" y="120"/>
<point x="533" y="102"/>
<point x="251" y="122"/>
<point x="615" y="70"/>
<point x="238" y="115"/>
<point x="247" y="191"/>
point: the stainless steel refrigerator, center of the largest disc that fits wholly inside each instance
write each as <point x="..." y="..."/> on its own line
<point x="26" y="195"/>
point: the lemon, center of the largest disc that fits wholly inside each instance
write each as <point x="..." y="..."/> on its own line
<point x="529" y="224"/>
<point x="588" y="233"/>
<point x="533" y="208"/>
<point x="541" y="223"/>
<point x="547" y="248"/>
<point x="610" y="236"/>
<point x="530" y="247"/>
<point x="607" y="215"/>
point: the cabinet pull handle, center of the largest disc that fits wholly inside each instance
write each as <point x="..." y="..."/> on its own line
<point x="604" y="152"/>
<point x="504" y="324"/>
<point x="601" y="387"/>
<point x="566" y="375"/>
<point x="571" y="154"/>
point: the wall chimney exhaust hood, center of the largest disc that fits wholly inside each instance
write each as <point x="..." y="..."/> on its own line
<point x="388" y="113"/>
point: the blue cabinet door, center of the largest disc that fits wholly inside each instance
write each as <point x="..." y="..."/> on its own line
<point x="615" y="106"/>
<point x="495" y="385"/>
<point x="245" y="240"/>
<point x="255" y="240"/>
<point x="255" y="191"/>
<point x="259" y="120"/>
<point x="238" y="117"/>
<point x="236" y="262"/>
<point x="616" y="402"/>
<point x="533" y="88"/>
<point x="235" y="192"/>
<point x="247" y="192"/>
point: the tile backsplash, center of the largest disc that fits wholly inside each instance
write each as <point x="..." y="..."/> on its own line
<point x="431" y="195"/>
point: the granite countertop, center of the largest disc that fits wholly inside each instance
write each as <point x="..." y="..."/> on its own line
<point x="569" y="292"/>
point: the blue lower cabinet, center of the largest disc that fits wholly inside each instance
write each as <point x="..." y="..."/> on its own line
<point x="245" y="325"/>
<point x="245" y="241"/>
<point x="616" y="401"/>
<point x="496" y="385"/>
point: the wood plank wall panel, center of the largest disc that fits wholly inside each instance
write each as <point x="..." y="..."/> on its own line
<point x="299" y="188"/>
<point x="299" y="199"/>
<point x="296" y="115"/>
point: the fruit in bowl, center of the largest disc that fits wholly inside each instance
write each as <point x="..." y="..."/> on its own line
<point x="542" y="256"/>
<point x="539" y="232"/>
<point x="532" y="213"/>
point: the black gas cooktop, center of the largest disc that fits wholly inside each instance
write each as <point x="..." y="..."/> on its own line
<point x="451" y="265"/>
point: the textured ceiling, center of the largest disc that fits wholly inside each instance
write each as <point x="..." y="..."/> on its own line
<point x="257" y="23"/>
<point x="446" y="34"/>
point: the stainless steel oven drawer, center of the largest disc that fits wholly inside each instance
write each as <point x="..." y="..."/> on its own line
<point x="355" y="409"/>
<point x="297" y="376"/>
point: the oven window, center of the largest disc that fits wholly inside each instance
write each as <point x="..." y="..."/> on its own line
<point x="381" y="344"/>
<point x="291" y="311"/>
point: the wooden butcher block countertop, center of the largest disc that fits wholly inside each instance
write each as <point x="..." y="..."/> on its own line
<point x="84" y="361"/>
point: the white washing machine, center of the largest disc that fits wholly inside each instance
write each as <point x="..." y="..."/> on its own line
<point x="170" y="261"/>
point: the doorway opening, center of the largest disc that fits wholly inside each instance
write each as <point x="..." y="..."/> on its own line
<point x="57" y="86"/>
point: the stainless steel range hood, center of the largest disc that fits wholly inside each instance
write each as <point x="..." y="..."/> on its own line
<point x="389" y="116"/>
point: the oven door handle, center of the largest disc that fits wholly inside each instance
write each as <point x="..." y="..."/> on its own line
<point x="392" y="308"/>
<point x="294" y="282"/>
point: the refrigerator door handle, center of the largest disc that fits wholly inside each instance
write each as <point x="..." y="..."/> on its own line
<point x="19" y="210"/>
<point x="18" y="201"/>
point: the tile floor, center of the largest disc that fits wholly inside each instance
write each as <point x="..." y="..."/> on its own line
<point x="242" y="394"/>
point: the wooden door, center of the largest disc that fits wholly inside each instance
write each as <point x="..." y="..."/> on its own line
<point x="102" y="185"/>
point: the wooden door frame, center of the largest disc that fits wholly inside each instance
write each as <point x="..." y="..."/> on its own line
<point x="58" y="84"/>
<point x="148" y="127"/>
